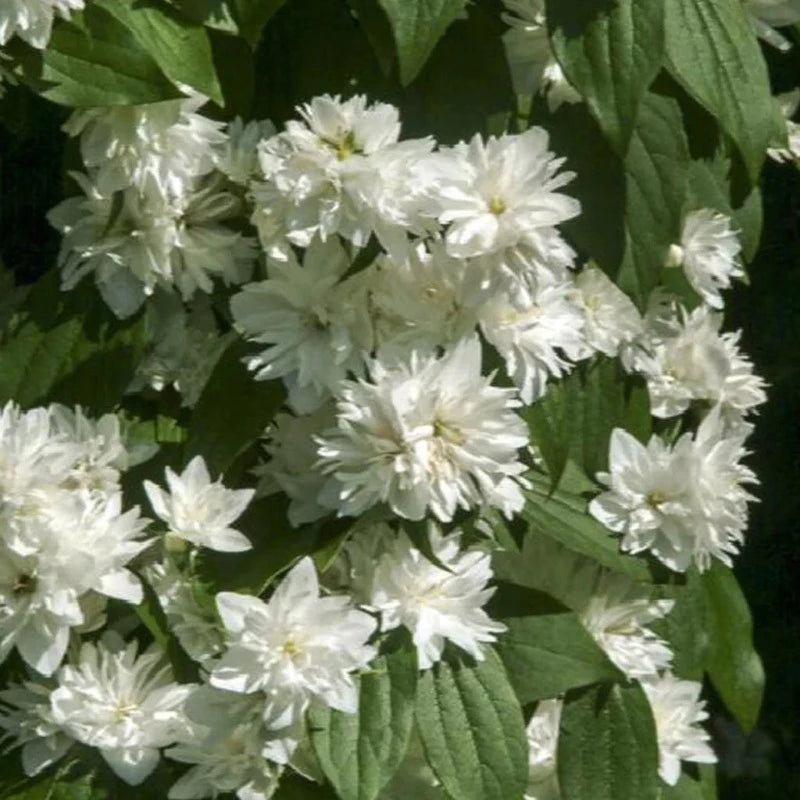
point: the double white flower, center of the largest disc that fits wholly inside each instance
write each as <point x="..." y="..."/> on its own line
<point x="431" y="433"/>
<point x="684" y="503"/>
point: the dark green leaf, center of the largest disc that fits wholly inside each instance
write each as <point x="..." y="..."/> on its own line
<point x="252" y="15"/>
<point x="232" y="412"/>
<point x="731" y="661"/>
<point x="685" y="627"/>
<point x="713" y="53"/>
<point x="563" y="516"/>
<point x="656" y="178"/>
<point x="417" y="26"/>
<point x="472" y="729"/>
<point x="359" y="753"/>
<point x="610" y="52"/>
<point x="67" y="346"/>
<point x="94" y="60"/>
<point x="547" y="654"/>
<point x="181" y="49"/>
<point x="607" y="747"/>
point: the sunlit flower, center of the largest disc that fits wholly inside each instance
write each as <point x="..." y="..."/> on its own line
<point x="199" y="510"/>
<point x="678" y="712"/>
<point x="32" y="20"/>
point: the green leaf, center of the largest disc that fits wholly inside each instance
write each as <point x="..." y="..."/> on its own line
<point x="252" y="15"/>
<point x="607" y="747"/>
<point x="610" y="53"/>
<point x="232" y="412"/>
<point x="94" y="60"/>
<point x="181" y="49"/>
<point x="656" y="179"/>
<point x="375" y="25"/>
<point x="713" y="53"/>
<point x="563" y="516"/>
<point x="417" y="26"/>
<point x="359" y="753"/>
<point x="547" y="654"/>
<point x="732" y="663"/>
<point x="214" y="14"/>
<point x="711" y="186"/>
<point x="472" y="729"/>
<point x="685" y="627"/>
<point x="68" y="346"/>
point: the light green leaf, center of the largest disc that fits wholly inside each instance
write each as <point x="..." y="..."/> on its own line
<point x="211" y="13"/>
<point x="68" y="346"/>
<point x="656" y="179"/>
<point x="417" y="26"/>
<point x="547" y="654"/>
<point x="232" y="412"/>
<point x="712" y="51"/>
<point x="607" y="746"/>
<point x="610" y="53"/>
<point x="563" y="516"/>
<point x="732" y="663"/>
<point x="685" y="627"/>
<point x="94" y="60"/>
<point x="359" y="753"/>
<point x="471" y="727"/>
<point x="181" y="49"/>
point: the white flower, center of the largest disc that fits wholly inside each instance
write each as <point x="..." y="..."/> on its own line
<point x="770" y="14"/>
<point x="684" y="503"/>
<point x="426" y="300"/>
<point x="32" y="20"/>
<point x="296" y="647"/>
<point x="238" y="157"/>
<point x="159" y="148"/>
<point x="199" y="510"/>
<point x="678" y="712"/>
<point x="499" y="200"/>
<point x="340" y="170"/>
<point x="316" y="324"/>
<point x="136" y="241"/>
<point x="197" y="629"/>
<point x="610" y="317"/>
<point x="436" y="605"/>
<point x="684" y="357"/>
<point x="542" y="733"/>
<point x="290" y="443"/>
<point x="126" y="707"/>
<point x="68" y="543"/>
<point x="530" y="57"/>
<point x="617" y="615"/>
<point x="226" y="749"/>
<point x="709" y="254"/>
<point x="431" y="433"/>
<point x="27" y="720"/>
<point x="104" y="454"/>
<point x="538" y="339"/>
<point x="788" y="104"/>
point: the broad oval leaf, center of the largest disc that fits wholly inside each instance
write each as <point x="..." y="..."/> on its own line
<point x="232" y="412"/>
<point x="471" y="727"/>
<point x="68" y="346"/>
<point x="607" y="747"/>
<point x="713" y="53"/>
<point x="417" y="26"/>
<point x="732" y="663"/>
<point x="656" y="181"/>
<point x="359" y="753"/>
<point x="610" y="52"/>
<point x="94" y="60"/>
<point x="180" y="48"/>
<point x="547" y="654"/>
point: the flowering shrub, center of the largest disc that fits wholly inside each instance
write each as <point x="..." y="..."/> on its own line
<point x="395" y="443"/>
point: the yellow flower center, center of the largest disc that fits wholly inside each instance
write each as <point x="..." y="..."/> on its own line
<point x="497" y="205"/>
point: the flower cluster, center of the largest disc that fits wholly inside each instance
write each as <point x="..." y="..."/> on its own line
<point x="415" y="301"/>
